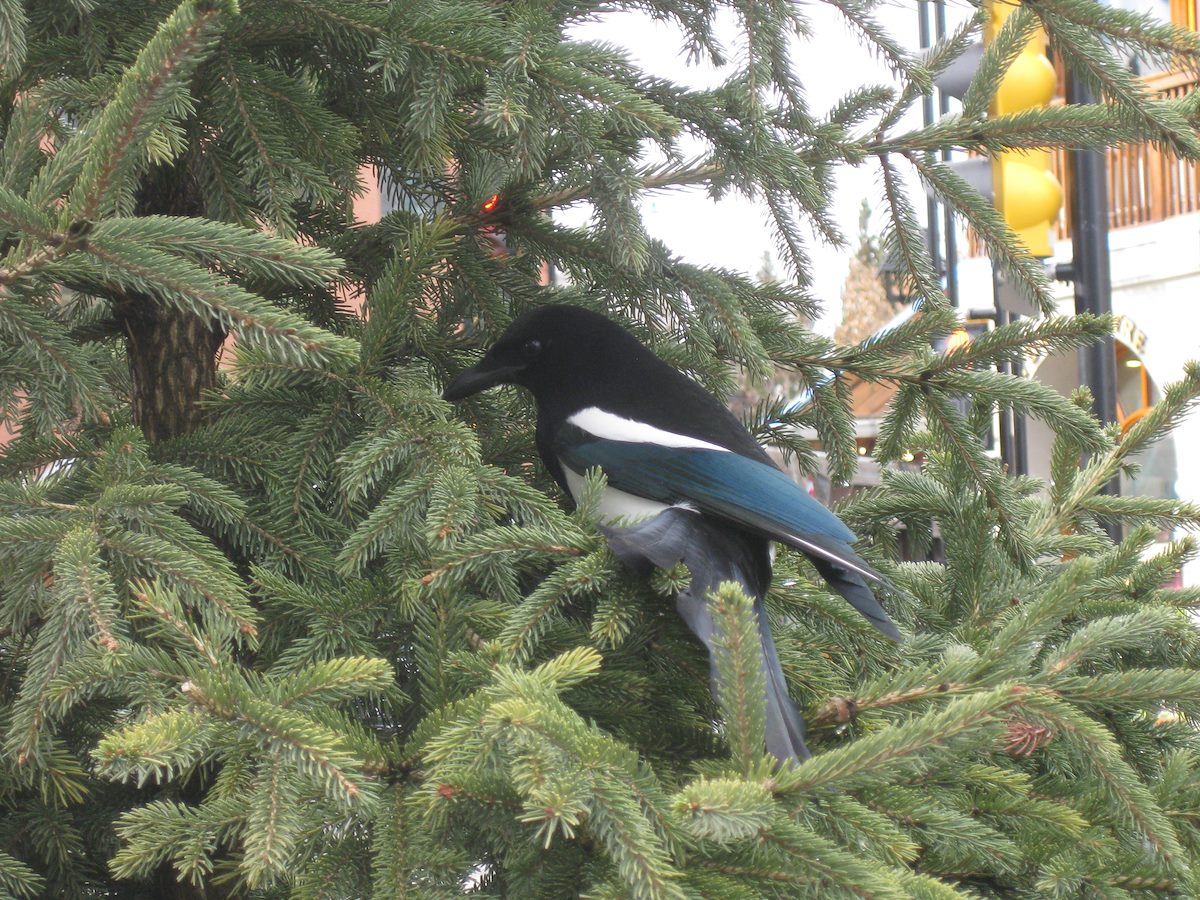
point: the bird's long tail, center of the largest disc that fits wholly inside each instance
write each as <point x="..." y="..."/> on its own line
<point x="785" y="726"/>
<point x="714" y="553"/>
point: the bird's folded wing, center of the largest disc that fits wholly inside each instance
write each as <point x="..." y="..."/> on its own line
<point x="736" y="488"/>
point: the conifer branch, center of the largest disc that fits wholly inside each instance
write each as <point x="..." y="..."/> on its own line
<point x="740" y="680"/>
<point x="906" y="236"/>
<point x="147" y="96"/>
<point x="315" y="748"/>
<point x="840" y="710"/>
<point x="962" y="716"/>
<point x="1122" y="787"/>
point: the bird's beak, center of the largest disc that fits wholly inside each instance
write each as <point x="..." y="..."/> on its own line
<point x="479" y="377"/>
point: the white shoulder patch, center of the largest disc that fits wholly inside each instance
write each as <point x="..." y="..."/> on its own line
<point x="612" y="427"/>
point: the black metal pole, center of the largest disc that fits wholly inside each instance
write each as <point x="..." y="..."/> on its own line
<point x="1004" y="414"/>
<point x="1093" y="277"/>
<point x="951" y="239"/>
<point x="1020" y="436"/>
<point x="927" y="116"/>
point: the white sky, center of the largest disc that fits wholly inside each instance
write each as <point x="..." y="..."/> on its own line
<point x="734" y="233"/>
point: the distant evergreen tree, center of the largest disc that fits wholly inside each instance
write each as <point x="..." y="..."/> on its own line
<point x="866" y="307"/>
<point x="276" y="621"/>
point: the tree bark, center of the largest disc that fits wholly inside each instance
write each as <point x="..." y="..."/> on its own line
<point x="172" y="362"/>
<point x="172" y="353"/>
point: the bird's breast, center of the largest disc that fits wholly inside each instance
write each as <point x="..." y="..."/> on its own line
<point x="615" y="504"/>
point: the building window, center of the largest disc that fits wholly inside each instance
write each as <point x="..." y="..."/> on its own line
<point x="1134" y="391"/>
<point x="1136" y="395"/>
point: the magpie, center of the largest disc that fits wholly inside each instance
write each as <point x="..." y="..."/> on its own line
<point x="686" y="482"/>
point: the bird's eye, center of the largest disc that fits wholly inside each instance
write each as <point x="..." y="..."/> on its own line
<point x="531" y="348"/>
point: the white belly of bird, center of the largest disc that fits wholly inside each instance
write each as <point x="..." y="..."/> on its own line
<point x="616" y="504"/>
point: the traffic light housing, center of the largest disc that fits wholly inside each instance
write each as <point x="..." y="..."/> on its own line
<point x="1025" y="191"/>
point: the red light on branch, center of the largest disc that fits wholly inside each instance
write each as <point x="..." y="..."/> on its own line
<point x="492" y="202"/>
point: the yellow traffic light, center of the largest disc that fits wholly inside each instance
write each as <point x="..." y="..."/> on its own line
<point x="1026" y="192"/>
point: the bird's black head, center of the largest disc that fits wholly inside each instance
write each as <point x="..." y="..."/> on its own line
<point x="555" y="347"/>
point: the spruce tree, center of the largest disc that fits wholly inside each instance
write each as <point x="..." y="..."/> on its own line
<point x="276" y="621"/>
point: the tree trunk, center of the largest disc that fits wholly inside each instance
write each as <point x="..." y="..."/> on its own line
<point x="172" y="362"/>
<point x="172" y="353"/>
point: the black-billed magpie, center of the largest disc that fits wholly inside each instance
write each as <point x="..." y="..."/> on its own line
<point x="686" y="481"/>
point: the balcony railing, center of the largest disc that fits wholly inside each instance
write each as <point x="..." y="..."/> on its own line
<point x="1145" y="182"/>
